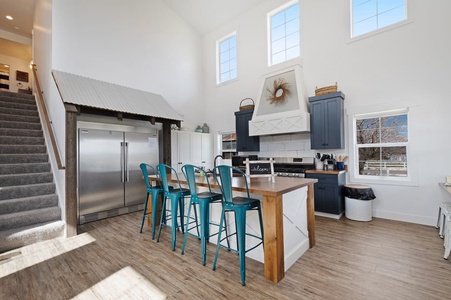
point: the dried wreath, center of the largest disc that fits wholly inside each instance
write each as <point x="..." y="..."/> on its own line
<point x="279" y="92"/>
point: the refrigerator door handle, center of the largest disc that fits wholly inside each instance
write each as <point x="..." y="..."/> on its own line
<point x="122" y="162"/>
<point x="127" y="169"/>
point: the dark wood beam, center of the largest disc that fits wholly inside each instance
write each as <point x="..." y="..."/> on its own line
<point x="110" y="113"/>
<point x="167" y="159"/>
<point x="71" y="170"/>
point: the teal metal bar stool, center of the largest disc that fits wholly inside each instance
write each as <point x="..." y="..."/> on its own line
<point x="177" y="197"/>
<point x="155" y="191"/>
<point x="195" y="175"/>
<point x="239" y="206"/>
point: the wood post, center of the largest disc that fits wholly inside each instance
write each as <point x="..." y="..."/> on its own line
<point x="274" y="264"/>
<point x="167" y="143"/>
<point x="71" y="170"/>
<point x="311" y="214"/>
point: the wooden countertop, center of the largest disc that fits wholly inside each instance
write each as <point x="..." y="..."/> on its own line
<point x="332" y="172"/>
<point x="259" y="185"/>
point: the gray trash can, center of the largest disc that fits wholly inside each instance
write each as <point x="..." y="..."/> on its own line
<point x="358" y="204"/>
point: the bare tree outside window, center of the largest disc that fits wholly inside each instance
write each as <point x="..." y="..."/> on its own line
<point x="382" y="145"/>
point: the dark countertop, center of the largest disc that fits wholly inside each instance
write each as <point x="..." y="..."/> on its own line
<point x="331" y="172"/>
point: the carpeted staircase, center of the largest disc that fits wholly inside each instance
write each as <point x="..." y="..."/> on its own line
<point x="29" y="210"/>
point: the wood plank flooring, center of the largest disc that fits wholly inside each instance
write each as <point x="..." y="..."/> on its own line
<point x="109" y="259"/>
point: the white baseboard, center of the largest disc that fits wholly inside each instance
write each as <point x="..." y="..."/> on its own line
<point x="405" y="217"/>
<point x="332" y="216"/>
<point x="293" y="256"/>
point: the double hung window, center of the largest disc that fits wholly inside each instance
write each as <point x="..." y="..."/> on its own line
<point x="381" y="143"/>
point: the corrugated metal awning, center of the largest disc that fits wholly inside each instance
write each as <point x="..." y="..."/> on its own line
<point x="83" y="91"/>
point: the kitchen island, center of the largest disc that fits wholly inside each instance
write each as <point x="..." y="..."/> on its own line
<point x="288" y="218"/>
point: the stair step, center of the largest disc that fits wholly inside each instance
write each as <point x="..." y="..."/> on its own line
<point x="20" y="132"/>
<point x="29" y="217"/>
<point x="18" y="105"/>
<point x="21" y="140"/>
<point x="19" y="112"/>
<point x="16" y="95"/>
<point x="18" y="118"/>
<point x="12" y="192"/>
<point x="10" y="169"/>
<point x="28" y="101"/>
<point x="29" y="203"/>
<point x="25" y="179"/>
<point x="22" y="149"/>
<point x="23" y="158"/>
<point x="19" y="125"/>
<point x="22" y="236"/>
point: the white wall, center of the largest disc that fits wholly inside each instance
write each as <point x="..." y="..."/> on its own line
<point x="140" y="44"/>
<point x="42" y="57"/>
<point x="408" y="65"/>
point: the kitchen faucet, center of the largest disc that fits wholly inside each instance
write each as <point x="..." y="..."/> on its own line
<point x="216" y="157"/>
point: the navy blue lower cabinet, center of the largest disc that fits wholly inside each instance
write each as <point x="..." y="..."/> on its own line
<point x="329" y="196"/>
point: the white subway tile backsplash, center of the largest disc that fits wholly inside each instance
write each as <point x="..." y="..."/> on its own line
<point x="282" y="138"/>
<point x="294" y="145"/>
<point x="276" y="147"/>
<point x="287" y="145"/>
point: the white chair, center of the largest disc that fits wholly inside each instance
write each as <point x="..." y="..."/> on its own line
<point x="444" y="211"/>
<point x="447" y="239"/>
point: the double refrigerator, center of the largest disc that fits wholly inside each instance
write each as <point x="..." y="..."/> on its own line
<point x="109" y="177"/>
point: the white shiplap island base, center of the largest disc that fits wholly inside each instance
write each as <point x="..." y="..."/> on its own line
<point x="288" y="220"/>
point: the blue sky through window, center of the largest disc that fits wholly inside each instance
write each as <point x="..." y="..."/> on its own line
<point x="227" y="59"/>
<point x="285" y="41"/>
<point x="370" y="15"/>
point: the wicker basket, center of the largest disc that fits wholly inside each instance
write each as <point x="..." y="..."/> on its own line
<point x="326" y="90"/>
<point x="247" y="107"/>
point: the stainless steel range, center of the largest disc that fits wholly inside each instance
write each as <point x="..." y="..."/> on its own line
<point x="293" y="166"/>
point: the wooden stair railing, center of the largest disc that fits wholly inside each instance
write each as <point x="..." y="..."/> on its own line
<point x="41" y="101"/>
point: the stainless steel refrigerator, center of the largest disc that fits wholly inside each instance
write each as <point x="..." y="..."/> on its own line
<point x="110" y="180"/>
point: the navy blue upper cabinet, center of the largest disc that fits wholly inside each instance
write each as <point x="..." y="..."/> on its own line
<point x="327" y="121"/>
<point x="244" y="142"/>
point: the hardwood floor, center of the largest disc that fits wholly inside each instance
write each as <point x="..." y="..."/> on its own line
<point x="109" y="259"/>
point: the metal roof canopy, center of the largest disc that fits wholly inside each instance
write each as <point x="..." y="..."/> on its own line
<point x="101" y="95"/>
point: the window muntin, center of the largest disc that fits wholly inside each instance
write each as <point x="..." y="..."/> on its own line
<point x="381" y="143"/>
<point x="284" y="34"/>
<point x="371" y="15"/>
<point x="227" y="58"/>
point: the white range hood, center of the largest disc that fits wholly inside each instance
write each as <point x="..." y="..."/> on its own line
<point x="282" y="105"/>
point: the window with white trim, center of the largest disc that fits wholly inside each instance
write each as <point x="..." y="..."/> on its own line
<point x="226" y="58"/>
<point x="372" y="15"/>
<point x="381" y="142"/>
<point x="284" y="34"/>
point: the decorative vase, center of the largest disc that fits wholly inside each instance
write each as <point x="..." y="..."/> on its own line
<point x="205" y="128"/>
<point x="198" y="129"/>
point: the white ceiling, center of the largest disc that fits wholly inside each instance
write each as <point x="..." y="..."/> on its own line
<point x="22" y="11"/>
<point x="203" y="15"/>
